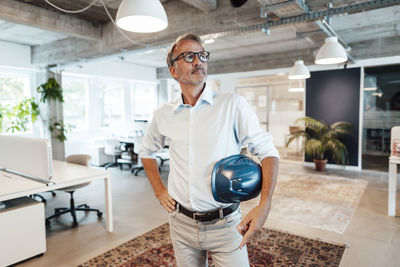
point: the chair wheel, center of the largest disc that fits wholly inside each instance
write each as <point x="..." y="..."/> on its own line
<point x="99" y="214"/>
<point x="74" y="224"/>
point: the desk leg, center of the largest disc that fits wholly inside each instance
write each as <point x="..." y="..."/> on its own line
<point x="109" y="216"/>
<point x="392" y="189"/>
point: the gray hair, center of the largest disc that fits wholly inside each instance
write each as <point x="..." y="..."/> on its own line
<point x="186" y="36"/>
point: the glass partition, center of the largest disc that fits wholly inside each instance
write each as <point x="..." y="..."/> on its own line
<point x="278" y="102"/>
<point x="381" y="113"/>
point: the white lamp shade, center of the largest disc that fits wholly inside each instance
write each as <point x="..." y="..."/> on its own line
<point x="141" y="16"/>
<point x="299" y="71"/>
<point x="331" y="52"/>
<point x="296" y="89"/>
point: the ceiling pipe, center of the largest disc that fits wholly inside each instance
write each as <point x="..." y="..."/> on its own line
<point x="310" y="16"/>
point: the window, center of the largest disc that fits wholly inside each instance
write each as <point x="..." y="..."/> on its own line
<point x="111" y="103"/>
<point x="75" y="103"/>
<point x="145" y="101"/>
<point x="14" y="88"/>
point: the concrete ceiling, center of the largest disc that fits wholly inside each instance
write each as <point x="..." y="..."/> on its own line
<point x="58" y="38"/>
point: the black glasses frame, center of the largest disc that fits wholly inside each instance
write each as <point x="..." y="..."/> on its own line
<point x="181" y="55"/>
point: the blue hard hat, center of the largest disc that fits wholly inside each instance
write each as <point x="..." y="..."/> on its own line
<point x="236" y="178"/>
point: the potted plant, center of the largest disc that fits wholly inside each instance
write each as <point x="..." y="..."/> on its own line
<point x="59" y="130"/>
<point x="322" y="140"/>
<point x="50" y="89"/>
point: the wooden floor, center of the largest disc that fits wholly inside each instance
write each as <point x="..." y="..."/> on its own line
<point x="372" y="237"/>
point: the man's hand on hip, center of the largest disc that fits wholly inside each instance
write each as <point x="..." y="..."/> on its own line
<point x="166" y="200"/>
<point x="252" y="223"/>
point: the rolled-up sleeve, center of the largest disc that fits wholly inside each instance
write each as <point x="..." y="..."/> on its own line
<point x="152" y="141"/>
<point x="249" y="133"/>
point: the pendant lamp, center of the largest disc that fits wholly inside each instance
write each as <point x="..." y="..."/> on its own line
<point x="299" y="71"/>
<point x="142" y="16"/>
<point x="331" y="52"/>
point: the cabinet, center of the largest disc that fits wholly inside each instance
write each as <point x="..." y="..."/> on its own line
<point x="22" y="230"/>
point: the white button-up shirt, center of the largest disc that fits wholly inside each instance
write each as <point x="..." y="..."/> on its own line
<point x="219" y="125"/>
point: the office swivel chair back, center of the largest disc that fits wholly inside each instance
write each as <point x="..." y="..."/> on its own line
<point x="79" y="159"/>
<point x="112" y="148"/>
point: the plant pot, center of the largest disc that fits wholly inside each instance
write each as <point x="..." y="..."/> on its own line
<point x="320" y="164"/>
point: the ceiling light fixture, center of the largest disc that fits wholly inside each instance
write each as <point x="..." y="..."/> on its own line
<point x="299" y="71"/>
<point x="378" y="93"/>
<point x="209" y="41"/>
<point x="142" y="16"/>
<point x="331" y="52"/>
<point x="296" y="89"/>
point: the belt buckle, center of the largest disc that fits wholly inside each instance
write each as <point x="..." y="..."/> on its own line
<point x="221" y="213"/>
<point x="194" y="215"/>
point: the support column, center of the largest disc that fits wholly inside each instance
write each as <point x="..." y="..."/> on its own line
<point x="50" y="112"/>
<point x="162" y="92"/>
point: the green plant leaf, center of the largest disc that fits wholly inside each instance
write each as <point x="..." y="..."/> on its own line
<point x="50" y="89"/>
<point x="320" y="139"/>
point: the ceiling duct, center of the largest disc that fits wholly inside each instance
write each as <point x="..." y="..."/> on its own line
<point x="310" y="16"/>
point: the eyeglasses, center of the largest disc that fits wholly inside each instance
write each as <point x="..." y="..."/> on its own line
<point x="190" y="56"/>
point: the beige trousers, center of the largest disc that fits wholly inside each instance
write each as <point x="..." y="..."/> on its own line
<point x="191" y="241"/>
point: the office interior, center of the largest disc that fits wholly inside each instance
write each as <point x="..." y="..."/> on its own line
<point x="112" y="85"/>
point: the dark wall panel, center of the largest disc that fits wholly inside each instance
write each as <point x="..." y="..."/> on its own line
<point x="333" y="96"/>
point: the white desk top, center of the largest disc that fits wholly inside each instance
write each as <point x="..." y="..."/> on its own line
<point x="12" y="183"/>
<point x="136" y="139"/>
<point x="64" y="174"/>
<point x="394" y="159"/>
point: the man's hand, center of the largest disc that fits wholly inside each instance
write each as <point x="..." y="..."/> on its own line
<point x="252" y="223"/>
<point x="166" y="200"/>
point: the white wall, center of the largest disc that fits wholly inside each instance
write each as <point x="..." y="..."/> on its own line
<point x="14" y="55"/>
<point x="115" y="69"/>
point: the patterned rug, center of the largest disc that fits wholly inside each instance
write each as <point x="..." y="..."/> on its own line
<point x="319" y="201"/>
<point x="267" y="248"/>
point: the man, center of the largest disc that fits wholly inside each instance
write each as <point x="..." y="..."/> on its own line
<point x="202" y="127"/>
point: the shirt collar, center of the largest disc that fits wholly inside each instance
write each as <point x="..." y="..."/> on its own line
<point x="206" y="96"/>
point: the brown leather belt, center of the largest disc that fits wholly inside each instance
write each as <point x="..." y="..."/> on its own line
<point x="207" y="216"/>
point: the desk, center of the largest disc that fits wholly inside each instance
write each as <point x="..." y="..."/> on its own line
<point x="64" y="174"/>
<point x="393" y="161"/>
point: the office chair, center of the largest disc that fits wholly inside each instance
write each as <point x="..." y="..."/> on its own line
<point x="163" y="156"/>
<point x="127" y="157"/>
<point x="112" y="148"/>
<point x="80" y="159"/>
<point x="42" y="198"/>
